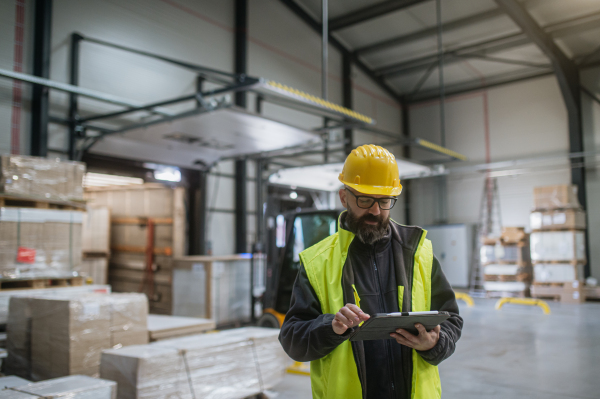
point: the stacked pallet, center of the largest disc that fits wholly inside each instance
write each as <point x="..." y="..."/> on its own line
<point x="72" y="387"/>
<point x="148" y="229"/>
<point x="558" y="243"/>
<point x="507" y="265"/>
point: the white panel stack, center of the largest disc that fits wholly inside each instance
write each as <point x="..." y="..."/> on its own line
<point x="229" y="364"/>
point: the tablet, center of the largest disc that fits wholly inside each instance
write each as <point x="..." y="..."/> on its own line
<point x="381" y="325"/>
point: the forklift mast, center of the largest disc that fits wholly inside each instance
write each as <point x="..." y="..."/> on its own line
<point x="297" y="231"/>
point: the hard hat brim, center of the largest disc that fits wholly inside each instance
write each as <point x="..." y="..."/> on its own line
<point x="375" y="190"/>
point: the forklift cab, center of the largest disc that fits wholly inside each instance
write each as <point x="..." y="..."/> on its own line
<point x="297" y="231"/>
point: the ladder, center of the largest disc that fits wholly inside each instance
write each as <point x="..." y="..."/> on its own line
<point x="489" y="227"/>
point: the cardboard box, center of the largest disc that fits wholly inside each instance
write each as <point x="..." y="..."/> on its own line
<point x="68" y="336"/>
<point x="513" y="235"/>
<point x="573" y="292"/>
<point x="558" y="246"/>
<point x="573" y="219"/>
<point x="517" y="254"/>
<point x="41" y="177"/>
<point x="96" y="230"/>
<point x="71" y="387"/>
<point x="18" y="338"/>
<point x="555" y="197"/>
<point x="94" y="268"/>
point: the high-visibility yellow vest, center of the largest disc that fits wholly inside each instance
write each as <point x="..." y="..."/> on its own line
<point x="335" y="375"/>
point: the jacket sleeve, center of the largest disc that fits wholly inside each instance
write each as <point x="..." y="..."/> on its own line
<point x="442" y="298"/>
<point x="306" y="333"/>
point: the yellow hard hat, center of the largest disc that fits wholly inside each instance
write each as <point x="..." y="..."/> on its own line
<point x="370" y="169"/>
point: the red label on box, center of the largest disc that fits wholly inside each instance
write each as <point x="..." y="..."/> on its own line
<point x="26" y="255"/>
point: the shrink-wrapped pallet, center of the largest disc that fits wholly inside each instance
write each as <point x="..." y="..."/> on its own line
<point x="41" y="177"/>
<point x="558" y="246"/>
<point x="557" y="272"/>
<point x="128" y="319"/>
<point x="39" y="242"/>
<point x="68" y="336"/>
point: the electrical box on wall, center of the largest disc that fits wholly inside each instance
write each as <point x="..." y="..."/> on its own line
<point x="452" y="245"/>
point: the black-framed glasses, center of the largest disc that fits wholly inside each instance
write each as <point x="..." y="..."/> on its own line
<point x="364" y="202"/>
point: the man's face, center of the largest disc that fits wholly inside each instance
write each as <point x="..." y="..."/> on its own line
<point x="370" y="224"/>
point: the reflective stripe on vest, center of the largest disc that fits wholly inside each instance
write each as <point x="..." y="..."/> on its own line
<point x="335" y="375"/>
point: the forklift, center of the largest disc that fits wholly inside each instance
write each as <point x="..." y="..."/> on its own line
<point x="303" y="229"/>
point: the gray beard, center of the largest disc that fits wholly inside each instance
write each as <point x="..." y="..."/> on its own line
<point x="368" y="234"/>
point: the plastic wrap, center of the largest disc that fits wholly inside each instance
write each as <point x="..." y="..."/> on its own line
<point x="555" y="197"/>
<point x="68" y="336"/>
<point x="71" y="387"/>
<point x="10" y="394"/>
<point x="128" y="319"/>
<point x="561" y="246"/>
<point x="41" y="177"/>
<point x="225" y="365"/>
<point x="12" y="381"/>
<point x="94" y="268"/>
<point x="61" y="335"/>
<point x="39" y="242"/>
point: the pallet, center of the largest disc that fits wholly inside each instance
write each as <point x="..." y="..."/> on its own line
<point x="553" y="284"/>
<point x="572" y="262"/>
<point x="17" y="201"/>
<point x="40" y="283"/>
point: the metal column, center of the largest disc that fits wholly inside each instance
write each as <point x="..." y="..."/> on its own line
<point x="41" y="68"/>
<point x="406" y="185"/>
<point x="347" y="98"/>
<point x="241" y="55"/>
<point x="73" y="107"/>
<point x="324" y="44"/>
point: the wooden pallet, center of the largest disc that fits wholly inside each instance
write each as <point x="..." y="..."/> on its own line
<point x="16" y="201"/>
<point x="572" y="262"/>
<point x="40" y="283"/>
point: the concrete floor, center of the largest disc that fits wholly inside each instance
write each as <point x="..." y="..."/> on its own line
<point x="515" y="352"/>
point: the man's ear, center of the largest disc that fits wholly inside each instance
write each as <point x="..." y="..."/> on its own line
<point x="343" y="194"/>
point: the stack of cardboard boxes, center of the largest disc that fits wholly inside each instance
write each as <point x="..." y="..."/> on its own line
<point x="66" y="336"/>
<point x="506" y="264"/>
<point x="72" y="387"/>
<point x="558" y="243"/>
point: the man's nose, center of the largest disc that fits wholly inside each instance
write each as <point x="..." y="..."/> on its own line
<point x="374" y="209"/>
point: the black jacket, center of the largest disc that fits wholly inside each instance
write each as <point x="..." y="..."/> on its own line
<point x="384" y="366"/>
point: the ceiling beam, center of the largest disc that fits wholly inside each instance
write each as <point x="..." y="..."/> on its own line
<point x="429" y="32"/>
<point x="485" y="47"/>
<point x="370" y="12"/>
<point x="316" y="26"/>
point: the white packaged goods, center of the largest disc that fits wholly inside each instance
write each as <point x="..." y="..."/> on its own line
<point x="10" y="394"/>
<point x="555" y="197"/>
<point x="229" y="364"/>
<point x="39" y="242"/>
<point x="507" y="270"/>
<point x="504" y="253"/>
<point x="507" y="286"/>
<point x="557" y="246"/>
<point x="557" y="273"/>
<point x="71" y="387"/>
<point x="558" y="219"/>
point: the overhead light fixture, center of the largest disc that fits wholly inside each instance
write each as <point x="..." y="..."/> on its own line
<point x="167" y="173"/>
<point x="293" y="195"/>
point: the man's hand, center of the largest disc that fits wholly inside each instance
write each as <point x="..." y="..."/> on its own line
<point x="348" y="316"/>
<point x="422" y="342"/>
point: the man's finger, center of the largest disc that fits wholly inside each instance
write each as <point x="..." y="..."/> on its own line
<point x="342" y="319"/>
<point x="401" y="340"/>
<point x="350" y="315"/>
<point x="437" y="328"/>
<point x="361" y="315"/>
<point x="408" y="336"/>
<point x="421" y="329"/>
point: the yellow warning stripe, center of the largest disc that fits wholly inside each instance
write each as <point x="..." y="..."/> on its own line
<point x="321" y="102"/>
<point x="441" y="149"/>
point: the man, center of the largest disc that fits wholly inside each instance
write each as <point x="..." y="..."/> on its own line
<point x="371" y="265"/>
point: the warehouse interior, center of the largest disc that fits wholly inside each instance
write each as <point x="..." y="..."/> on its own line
<point x="163" y="163"/>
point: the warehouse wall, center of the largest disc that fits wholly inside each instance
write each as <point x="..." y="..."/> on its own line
<point x="8" y="46"/>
